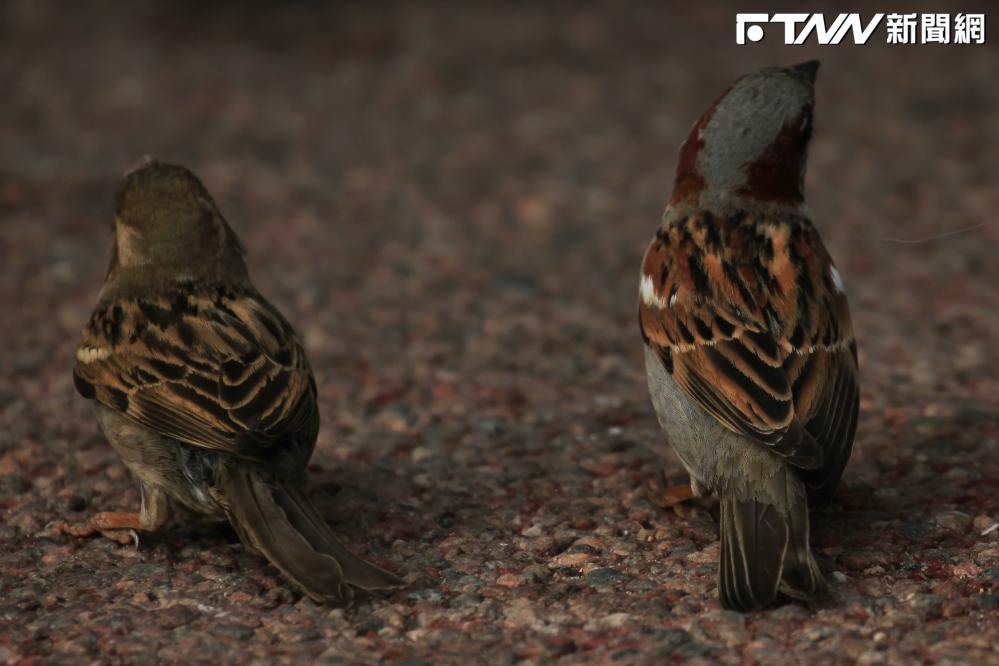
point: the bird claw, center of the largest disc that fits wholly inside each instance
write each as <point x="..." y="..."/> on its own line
<point x="118" y="526"/>
<point x="124" y="537"/>
<point x="666" y="495"/>
<point x="73" y="530"/>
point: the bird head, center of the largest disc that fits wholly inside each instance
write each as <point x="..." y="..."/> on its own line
<point x="751" y="145"/>
<point x="165" y="220"/>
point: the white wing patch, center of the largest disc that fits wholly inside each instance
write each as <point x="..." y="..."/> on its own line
<point x="837" y="279"/>
<point x="649" y="295"/>
<point x="91" y="354"/>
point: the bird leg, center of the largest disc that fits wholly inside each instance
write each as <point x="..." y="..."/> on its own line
<point x="673" y="495"/>
<point x="118" y="526"/>
<point x="666" y="495"/>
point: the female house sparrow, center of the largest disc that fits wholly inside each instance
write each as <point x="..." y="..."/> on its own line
<point x="749" y="350"/>
<point x="203" y="388"/>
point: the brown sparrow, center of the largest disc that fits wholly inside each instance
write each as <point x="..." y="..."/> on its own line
<point x="749" y="350"/>
<point x="203" y="388"/>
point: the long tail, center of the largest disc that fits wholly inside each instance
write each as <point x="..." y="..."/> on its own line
<point x="764" y="549"/>
<point x="279" y="521"/>
<point x="802" y="578"/>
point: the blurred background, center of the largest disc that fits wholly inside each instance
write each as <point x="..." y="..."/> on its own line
<point x="450" y="202"/>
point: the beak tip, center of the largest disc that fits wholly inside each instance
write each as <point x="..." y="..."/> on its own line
<point x="142" y="163"/>
<point x="808" y="70"/>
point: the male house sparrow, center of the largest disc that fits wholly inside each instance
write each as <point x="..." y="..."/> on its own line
<point x="749" y="350"/>
<point x="203" y="388"/>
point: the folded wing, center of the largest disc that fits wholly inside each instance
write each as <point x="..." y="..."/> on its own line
<point x="216" y="368"/>
<point x="752" y="324"/>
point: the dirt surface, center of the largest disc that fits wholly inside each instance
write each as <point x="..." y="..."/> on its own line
<point x="451" y="206"/>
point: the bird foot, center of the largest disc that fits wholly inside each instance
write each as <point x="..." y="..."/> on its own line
<point x="675" y="495"/>
<point x="669" y="496"/>
<point x="119" y="526"/>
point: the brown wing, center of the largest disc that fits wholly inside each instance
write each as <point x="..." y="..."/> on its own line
<point x="216" y="369"/>
<point x="833" y="418"/>
<point x="735" y="307"/>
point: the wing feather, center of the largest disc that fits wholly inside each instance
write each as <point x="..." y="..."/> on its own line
<point x="216" y="368"/>
<point x="757" y="332"/>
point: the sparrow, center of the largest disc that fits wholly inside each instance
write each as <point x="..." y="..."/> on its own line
<point x="749" y="350"/>
<point x="204" y="389"/>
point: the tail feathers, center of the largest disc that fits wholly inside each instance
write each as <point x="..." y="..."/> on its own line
<point x="754" y="538"/>
<point x="802" y="578"/>
<point x="281" y="523"/>
<point x="307" y="520"/>
<point x="765" y="550"/>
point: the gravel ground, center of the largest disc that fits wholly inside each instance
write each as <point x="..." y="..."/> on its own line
<point x="451" y="205"/>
